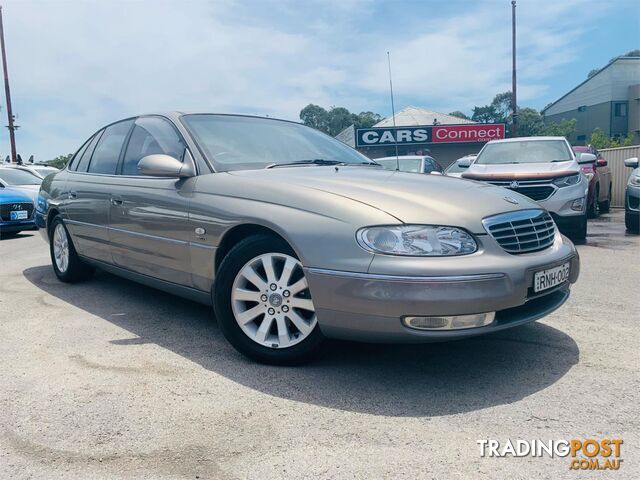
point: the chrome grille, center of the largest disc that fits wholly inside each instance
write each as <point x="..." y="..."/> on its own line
<point x="522" y="231"/>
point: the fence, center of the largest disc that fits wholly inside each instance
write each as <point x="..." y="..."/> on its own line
<point x="619" y="173"/>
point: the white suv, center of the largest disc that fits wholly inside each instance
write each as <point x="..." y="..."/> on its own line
<point x="544" y="169"/>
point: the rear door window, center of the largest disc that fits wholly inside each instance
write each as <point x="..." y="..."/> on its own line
<point x="107" y="152"/>
<point x="83" y="157"/>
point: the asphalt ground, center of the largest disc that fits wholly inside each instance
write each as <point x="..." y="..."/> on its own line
<point x="110" y="379"/>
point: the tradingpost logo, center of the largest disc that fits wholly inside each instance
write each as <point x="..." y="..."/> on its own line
<point x="589" y="454"/>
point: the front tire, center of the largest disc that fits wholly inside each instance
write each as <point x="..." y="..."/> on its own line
<point x="263" y="304"/>
<point x="578" y="229"/>
<point x="67" y="265"/>
<point x="593" y="210"/>
<point x="632" y="221"/>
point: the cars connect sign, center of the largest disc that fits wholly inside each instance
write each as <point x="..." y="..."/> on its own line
<point x="378" y="137"/>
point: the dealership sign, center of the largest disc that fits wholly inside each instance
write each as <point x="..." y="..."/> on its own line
<point x="478" y="132"/>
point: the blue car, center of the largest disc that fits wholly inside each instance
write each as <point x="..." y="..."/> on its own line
<point x="16" y="211"/>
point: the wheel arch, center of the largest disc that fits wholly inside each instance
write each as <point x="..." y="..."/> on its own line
<point x="53" y="213"/>
<point x="239" y="233"/>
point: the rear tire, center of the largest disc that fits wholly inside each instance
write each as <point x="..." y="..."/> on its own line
<point x="606" y="205"/>
<point x="278" y="326"/>
<point x="67" y="265"/>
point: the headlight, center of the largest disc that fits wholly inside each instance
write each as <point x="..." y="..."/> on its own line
<point x="634" y="181"/>
<point x="589" y="175"/>
<point x="42" y="204"/>
<point x="416" y="240"/>
<point x="567" y="181"/>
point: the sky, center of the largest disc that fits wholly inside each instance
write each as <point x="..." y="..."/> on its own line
<point x="75" y="66"/>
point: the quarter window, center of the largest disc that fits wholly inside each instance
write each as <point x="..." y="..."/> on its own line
<point x="151" y="135"/>
<point x="83" y="161"/>
<point x="107" y="153"/>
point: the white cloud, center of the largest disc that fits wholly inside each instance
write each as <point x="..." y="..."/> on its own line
<point x="75" y="66"/>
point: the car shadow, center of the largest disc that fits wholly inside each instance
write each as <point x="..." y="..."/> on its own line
<point x="394" y="380"/>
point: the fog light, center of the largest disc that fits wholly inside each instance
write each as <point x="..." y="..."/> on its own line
<point x="453" y="322"/>
<point x="578" y="204"/>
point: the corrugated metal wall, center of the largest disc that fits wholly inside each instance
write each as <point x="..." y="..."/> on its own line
<point x="619" y="173"/>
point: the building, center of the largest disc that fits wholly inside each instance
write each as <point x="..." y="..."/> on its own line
<point x="419" y="131"/>
<point x="609" y="100"/>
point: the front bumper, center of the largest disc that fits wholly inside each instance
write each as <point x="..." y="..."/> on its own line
<point x="632" y="199"/>
<point x="17" y="226"/>
<point x="370" y="307"/>
<point x="561" y="201"/>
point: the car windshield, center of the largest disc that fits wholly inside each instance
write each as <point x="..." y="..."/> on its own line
<point x="245" y="143"/>
<point x="13" y="176"/>
<point x="525" y="151"/>
<point x="454" y="168"/>
<point x="412" y="165"/>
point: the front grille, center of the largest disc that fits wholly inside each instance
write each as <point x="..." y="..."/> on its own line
<point x="535" y="193"/>
<point x="522" y="231"/>
<point x="534" y="189"/>
<point x="5" y="208"/>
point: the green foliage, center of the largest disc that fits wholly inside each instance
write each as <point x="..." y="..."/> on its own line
<point x="336" y="119"/>
<point x="486" y="114"/>
<point x="60" y="161"/>
<point x="530" y="122"/>
<point x="459" y="114"/>
<point x="600" y="140"/>
<point x="563" y="128"/>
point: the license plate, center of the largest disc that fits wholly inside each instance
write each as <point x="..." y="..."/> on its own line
<point x="550" y="277"/>
<point x="18" y="215"/>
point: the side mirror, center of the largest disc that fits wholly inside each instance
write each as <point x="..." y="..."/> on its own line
<point x="587" y="158"/>
<point x="631" y="162"/>
<point x="464" y="162"/>
<point x="601" y="162"/>
<point x="160" y="165"/>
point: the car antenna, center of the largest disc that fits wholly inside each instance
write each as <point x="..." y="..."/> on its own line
<point x="393" y="113"/>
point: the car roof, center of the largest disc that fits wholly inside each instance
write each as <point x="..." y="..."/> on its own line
<point x="581" y="148"/>
<point x="526" y="139"/>
<point x="405" y="157"/>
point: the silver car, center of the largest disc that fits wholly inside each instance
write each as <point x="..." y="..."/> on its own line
<point x="292" y="236"/>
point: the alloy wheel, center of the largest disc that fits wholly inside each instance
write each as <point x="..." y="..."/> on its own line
<point x="61" y="248"/>
<point x="271" y="302"/>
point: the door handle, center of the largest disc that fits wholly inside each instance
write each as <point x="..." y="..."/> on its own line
<point x="72" y="195"/>
<point x="116" y="202"/>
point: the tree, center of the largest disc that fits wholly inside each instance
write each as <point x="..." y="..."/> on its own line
<point x="503" y="104"/>
<point x="365" y="119"/>
<point x="336" y="119"/>
<point x="530" y="122"/>
<point x="563" y="128"/>
<point x="459" y="114"/>
<point x="600" y="140"/>
<point x="60" y="161"/>
<point x="315" y="116"/>
<point x="486" y="114"/>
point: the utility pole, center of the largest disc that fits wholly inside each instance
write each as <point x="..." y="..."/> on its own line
<point x="514" y="102"/>
<point x="11" y="126"/>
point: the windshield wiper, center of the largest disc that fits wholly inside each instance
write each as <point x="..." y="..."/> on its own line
<point x="315" y="161"/>
<point x="320" y="161"/>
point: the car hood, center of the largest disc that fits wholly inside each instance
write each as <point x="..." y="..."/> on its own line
<point x="513" y="171"/>
<point x="30" y="190"/>
<point x="12" y="194"/>
<point x="409" y="197"/>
